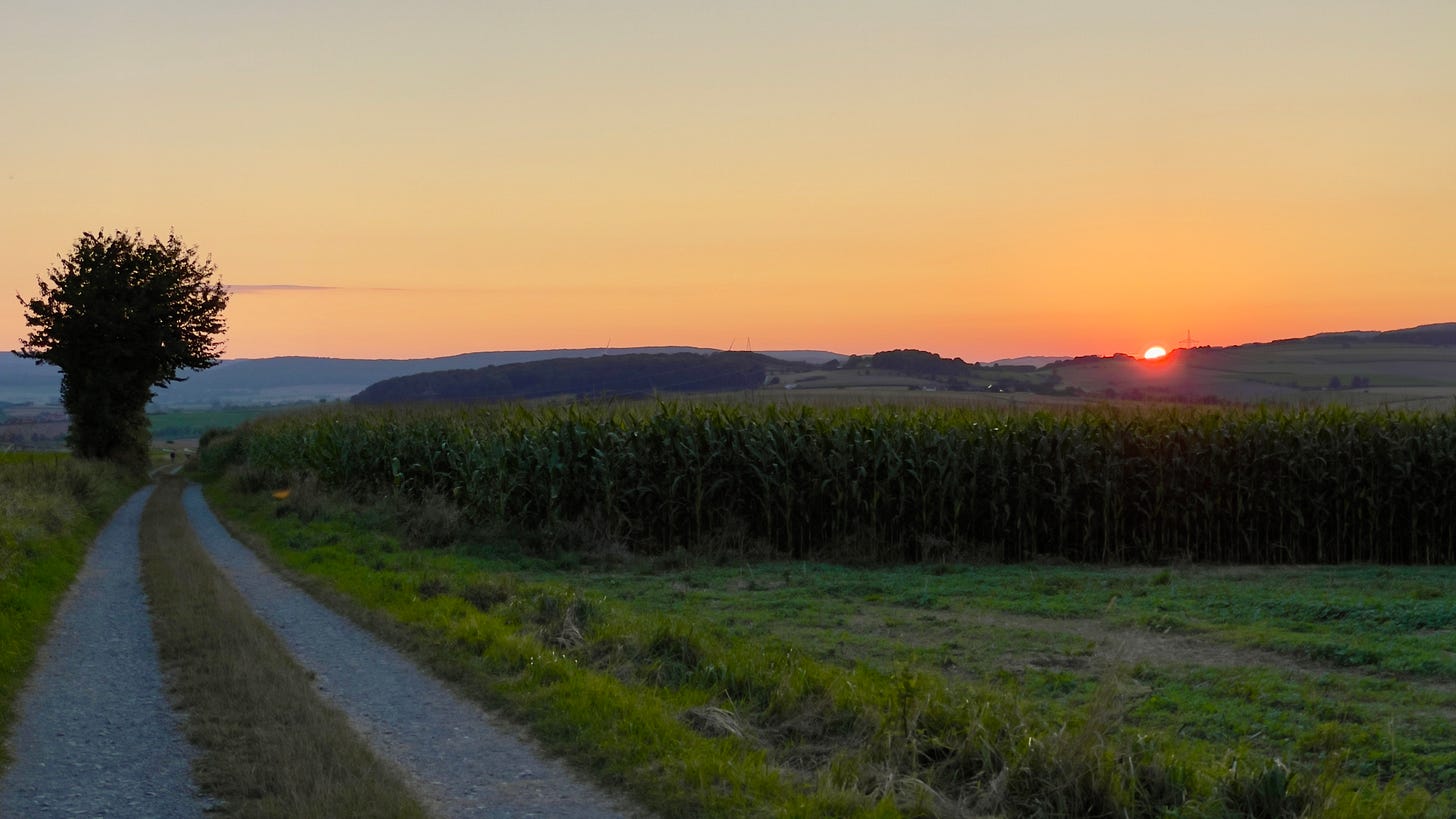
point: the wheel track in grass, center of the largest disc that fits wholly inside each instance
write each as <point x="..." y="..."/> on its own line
<point x="1124" y="646"/>
<point x="1106" y="643"/>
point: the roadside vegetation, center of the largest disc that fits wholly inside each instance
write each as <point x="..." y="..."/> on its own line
<point x="809" y="689"/>
<point x="708" y="675"/>
<point x="268" y="745"/>
<point x="51" y="506"/>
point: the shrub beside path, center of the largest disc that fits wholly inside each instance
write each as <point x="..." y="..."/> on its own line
<point x="460" y="758"/>
<point x="96" y="735"/>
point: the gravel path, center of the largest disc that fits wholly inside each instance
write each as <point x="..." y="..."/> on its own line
<point x="464" y="762"/>
<point x="96" y="736"/>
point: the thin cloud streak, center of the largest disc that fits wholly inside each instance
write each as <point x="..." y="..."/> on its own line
<point x="484" y="291"/>
<point x="266" y="288"/>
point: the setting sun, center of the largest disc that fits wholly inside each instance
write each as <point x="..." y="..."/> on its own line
<point x="1154" y="352"/>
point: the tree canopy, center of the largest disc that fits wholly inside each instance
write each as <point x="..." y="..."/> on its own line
<point x="119" y="316"/>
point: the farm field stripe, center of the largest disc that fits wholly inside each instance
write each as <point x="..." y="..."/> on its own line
<point x="96" y="735"/>
<point x="883" y="484"/>
<point x="462" y="759"/>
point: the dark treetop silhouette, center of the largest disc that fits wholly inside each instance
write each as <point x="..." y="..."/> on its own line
<point x="119" y="316"/>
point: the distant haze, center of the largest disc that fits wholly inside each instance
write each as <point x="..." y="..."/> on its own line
<point x="1413" y="368"/>
<point x="287" y="379"/>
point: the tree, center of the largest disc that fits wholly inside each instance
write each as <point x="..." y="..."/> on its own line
<point x="118" y="317"/>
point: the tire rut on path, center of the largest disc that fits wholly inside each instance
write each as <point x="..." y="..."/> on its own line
<point x="465" y="763"/>
<point x="96" y="735"/>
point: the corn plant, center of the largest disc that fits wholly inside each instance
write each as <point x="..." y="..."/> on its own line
<point x="1223" y="485"/>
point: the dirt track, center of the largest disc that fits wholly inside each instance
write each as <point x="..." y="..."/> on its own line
<point x="463" y="761"/>
<point x="97" y="737"/>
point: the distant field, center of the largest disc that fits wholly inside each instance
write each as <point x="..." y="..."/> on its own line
<point x="190" y="424"/>
<point x="44" y="428"/>
<point x="898" y="395"/>
<point x="32" y="459"/>
<point x="973" y="381"/>
<point x="1304" y="372"/>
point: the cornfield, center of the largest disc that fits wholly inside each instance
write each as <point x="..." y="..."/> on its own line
<point x="1217" y="485"/>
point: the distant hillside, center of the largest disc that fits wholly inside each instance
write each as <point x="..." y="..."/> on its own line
<point x="1415" y="367"/>
<point x="249" y="382"/>
<point x="1443" y="335"/>
<point x="634" y="375"/>
<point x="22" y="382"/>
<point x="956" y="374"/>
<point x="603" y="376"/>
<point x="1030" y="360"/>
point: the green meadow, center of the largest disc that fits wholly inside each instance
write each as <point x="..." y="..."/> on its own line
<point x="709" y="672"/>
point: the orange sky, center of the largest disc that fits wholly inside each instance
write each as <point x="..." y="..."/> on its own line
<point x="978" y="179"/>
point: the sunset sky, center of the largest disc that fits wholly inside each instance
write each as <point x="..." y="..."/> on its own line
<point x="980" y="179"/>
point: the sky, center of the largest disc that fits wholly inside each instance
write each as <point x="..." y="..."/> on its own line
<point x="979" y="179"/>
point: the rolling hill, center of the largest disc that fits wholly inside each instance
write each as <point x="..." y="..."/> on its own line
<point x="599" y="377"/>
<point x="291" y="379"/>
<point x="1413" y="367"/>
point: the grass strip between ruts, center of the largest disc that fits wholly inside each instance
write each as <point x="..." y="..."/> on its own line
<point x="269" y="746"/>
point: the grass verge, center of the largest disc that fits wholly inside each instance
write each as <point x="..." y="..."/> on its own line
<point x="696" y="717"/>
<point x="51" y="507"/>
<point x="269" y="746"/>
<point x="1343" y="673"/>
<point x="608" y="728"/>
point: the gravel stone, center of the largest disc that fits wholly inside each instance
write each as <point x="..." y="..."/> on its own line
<point x="96" y="735"/>
<point x="461" y="759"/>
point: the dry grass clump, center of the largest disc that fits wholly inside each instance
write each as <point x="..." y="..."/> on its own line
<point x="431" y="522"/>
<point x="714" y="722"/>
<point x="488" y="591"/>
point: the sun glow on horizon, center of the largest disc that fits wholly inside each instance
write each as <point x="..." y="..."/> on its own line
<point x="1153" y="353"/>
